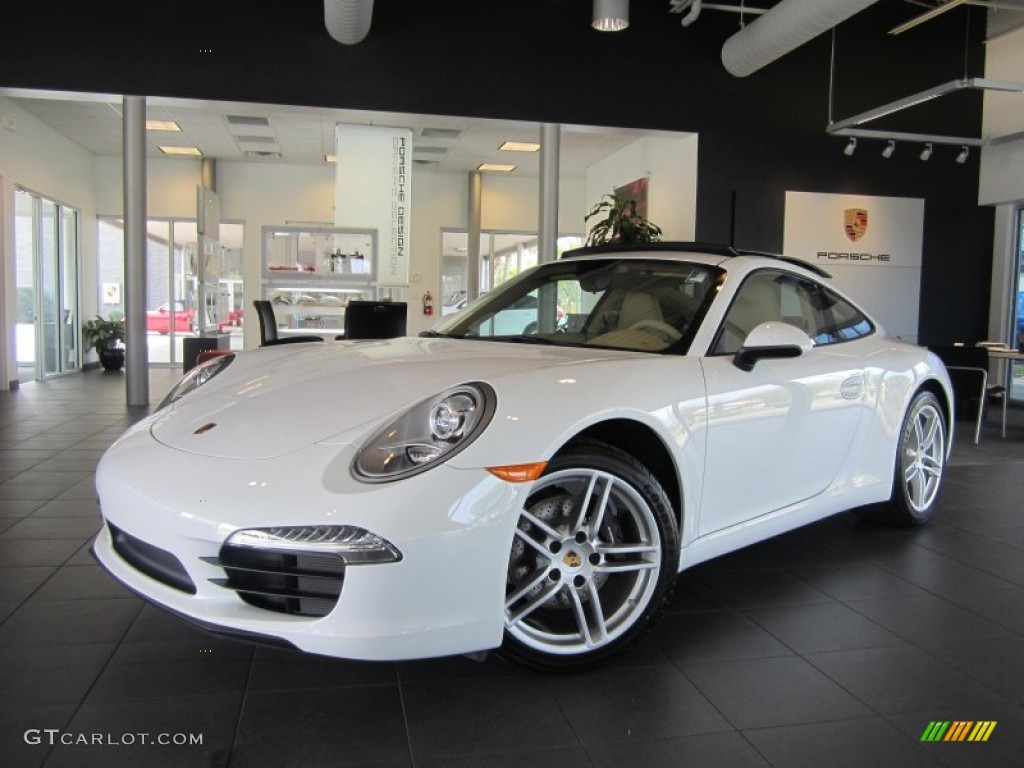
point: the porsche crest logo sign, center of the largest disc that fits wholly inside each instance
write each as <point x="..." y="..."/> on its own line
<point x="855" y="223"/>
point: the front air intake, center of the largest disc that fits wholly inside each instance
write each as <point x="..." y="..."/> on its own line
<point x="296" y="583"/>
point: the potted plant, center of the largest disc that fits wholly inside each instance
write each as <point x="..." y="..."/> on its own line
<point x="105" y="336"/>
<point x="620" y="223"/>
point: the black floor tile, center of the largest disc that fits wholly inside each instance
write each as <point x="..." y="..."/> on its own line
<point x="68" y="622"/>
<point x="635" y="705"/>
<point x="16" y="584"/>
<point x="1004" y="606"/>
<point x="83" y="582"/>
<point x="211" y="719"/>
<point x="18" y="508"/>
<point x="566" y="757"/>
<point x="823" y="627"/>
<point x="891" y="680"/>
<point x="858" y="581"/>
<point x="458" y="668"/>
<point x="696" y="638"/>
<point x="283" y="670"/>
<point x="204" y="674"/>
<point x="50" y="528"/>
<point x="329" y="727"/>
<point x="69" y="508"/>
<point x="944" y="576"/>
<point x="473" y="717"/>
<point x="847" y="744"/>
<point x="36" y="552"/>
<point x="762" y="588"/>
<point x="921" y="618"/>
<point x="728" y="750"/>
<point x="995" y="662"/>
<point x="6" y="609"/>
<point x="37" y="676"/>
<point x="762" y="693"/>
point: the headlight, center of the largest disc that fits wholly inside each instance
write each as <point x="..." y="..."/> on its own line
<point x="427" y="434"/>
<point x="196" y="378"/>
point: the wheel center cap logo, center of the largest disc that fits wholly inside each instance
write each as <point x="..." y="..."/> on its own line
<point x="572" y="559"/>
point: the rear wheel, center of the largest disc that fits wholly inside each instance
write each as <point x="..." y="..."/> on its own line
<point x="593" y="559"/>
<point x="920" y="464"/>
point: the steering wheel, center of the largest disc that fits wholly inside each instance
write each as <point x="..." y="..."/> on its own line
<point x="659" y="327"/>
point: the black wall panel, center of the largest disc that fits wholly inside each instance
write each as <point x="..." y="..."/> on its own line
<point x="539" y="60"/>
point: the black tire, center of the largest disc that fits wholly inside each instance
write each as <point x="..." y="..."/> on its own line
<point x="560" y="567"/>
<point x="919" y="466"/>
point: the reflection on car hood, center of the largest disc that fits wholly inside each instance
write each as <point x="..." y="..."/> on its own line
<point x="276" y="400"/>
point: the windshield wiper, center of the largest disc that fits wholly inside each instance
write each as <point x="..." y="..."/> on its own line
<point x="432" y="335"/>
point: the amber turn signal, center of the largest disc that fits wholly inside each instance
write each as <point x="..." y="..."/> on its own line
<point x="519" y="473"/>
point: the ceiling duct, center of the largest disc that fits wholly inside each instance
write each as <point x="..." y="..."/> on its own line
<point x="784" y="28"/>
<point x="348" y="21"/>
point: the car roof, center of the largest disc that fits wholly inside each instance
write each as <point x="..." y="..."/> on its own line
<point x="714" y="254"/>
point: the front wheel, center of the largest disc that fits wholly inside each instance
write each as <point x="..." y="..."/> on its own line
<point x="593" y="560"/>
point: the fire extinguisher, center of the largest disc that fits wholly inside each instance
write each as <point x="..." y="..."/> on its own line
<point x="428" y="304"/>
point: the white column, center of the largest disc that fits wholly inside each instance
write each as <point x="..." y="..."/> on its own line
<point x="136" y="354"/>
<point x="547" y="228"/>
<point x="473" y="244"/>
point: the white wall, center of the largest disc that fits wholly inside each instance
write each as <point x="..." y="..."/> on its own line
<point x="670" y="163"/>
<point x="41" y="160"/>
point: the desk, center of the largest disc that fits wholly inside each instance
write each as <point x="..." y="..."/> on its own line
<point x="1011" y="356"/>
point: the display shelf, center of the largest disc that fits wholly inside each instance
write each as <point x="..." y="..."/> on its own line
<point x="308" y="276"/>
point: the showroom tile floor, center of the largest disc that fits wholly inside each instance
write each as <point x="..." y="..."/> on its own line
<point x="835" y="645"/>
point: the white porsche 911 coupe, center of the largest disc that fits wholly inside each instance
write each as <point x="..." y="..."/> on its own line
<point x="472" y="489"/>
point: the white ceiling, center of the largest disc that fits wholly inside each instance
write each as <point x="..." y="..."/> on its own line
<point x="304" y="135"/>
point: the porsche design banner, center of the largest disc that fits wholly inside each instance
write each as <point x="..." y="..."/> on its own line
<point x="871" y="246"/>
<point x="373" y="178"/>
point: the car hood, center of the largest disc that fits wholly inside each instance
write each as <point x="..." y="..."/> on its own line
<point x="276" y="400"/>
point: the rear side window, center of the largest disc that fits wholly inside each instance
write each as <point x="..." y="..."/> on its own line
<point x="770" y="295"/>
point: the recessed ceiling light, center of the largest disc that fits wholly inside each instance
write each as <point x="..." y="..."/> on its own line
<point x="496" y="167"/>
<point x="190" y="151"/>
<point x="520" y="146"/>
<point x="330" y="158"/>
<point x="162" y="125"/>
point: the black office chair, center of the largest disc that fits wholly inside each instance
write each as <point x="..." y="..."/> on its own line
<point x="967" y="365"/>
<point x="268" y="327"/>
<point x="375" y="319"/>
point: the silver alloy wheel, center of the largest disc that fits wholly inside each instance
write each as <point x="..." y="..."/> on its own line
<point x="924" y="453"/>
<point x="584" y="565"/>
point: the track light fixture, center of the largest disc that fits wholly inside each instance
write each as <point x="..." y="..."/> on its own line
<point x="926" y="152"/>
<point x="964" y="152"/>
<point x="851" y="146"/>
<point x="610" y="15"/>
<point x="890" y="147"/>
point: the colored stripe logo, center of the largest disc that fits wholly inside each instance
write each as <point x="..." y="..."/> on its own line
<point x="958" y="730"/>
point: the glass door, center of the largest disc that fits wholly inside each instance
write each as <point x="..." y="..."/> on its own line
<point x="46" y="253"/>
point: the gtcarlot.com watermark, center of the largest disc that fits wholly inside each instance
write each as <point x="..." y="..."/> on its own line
<point x="53" y="736"/>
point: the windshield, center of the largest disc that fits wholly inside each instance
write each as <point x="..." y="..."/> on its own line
<point x="643" y="305"/>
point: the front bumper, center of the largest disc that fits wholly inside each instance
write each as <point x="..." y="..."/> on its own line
<point x="454" y="528"/>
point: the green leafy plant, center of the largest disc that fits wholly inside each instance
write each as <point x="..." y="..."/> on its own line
<point x="103" y="334"/>
<point x="620" y="223"/>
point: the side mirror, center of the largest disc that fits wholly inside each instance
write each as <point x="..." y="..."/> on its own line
<point x="772" y="341"/>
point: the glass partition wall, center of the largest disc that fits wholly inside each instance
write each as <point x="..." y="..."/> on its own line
<point x="503" y="255"/>
<point x="48" y="335"/>
<point x="172" y="311"/>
